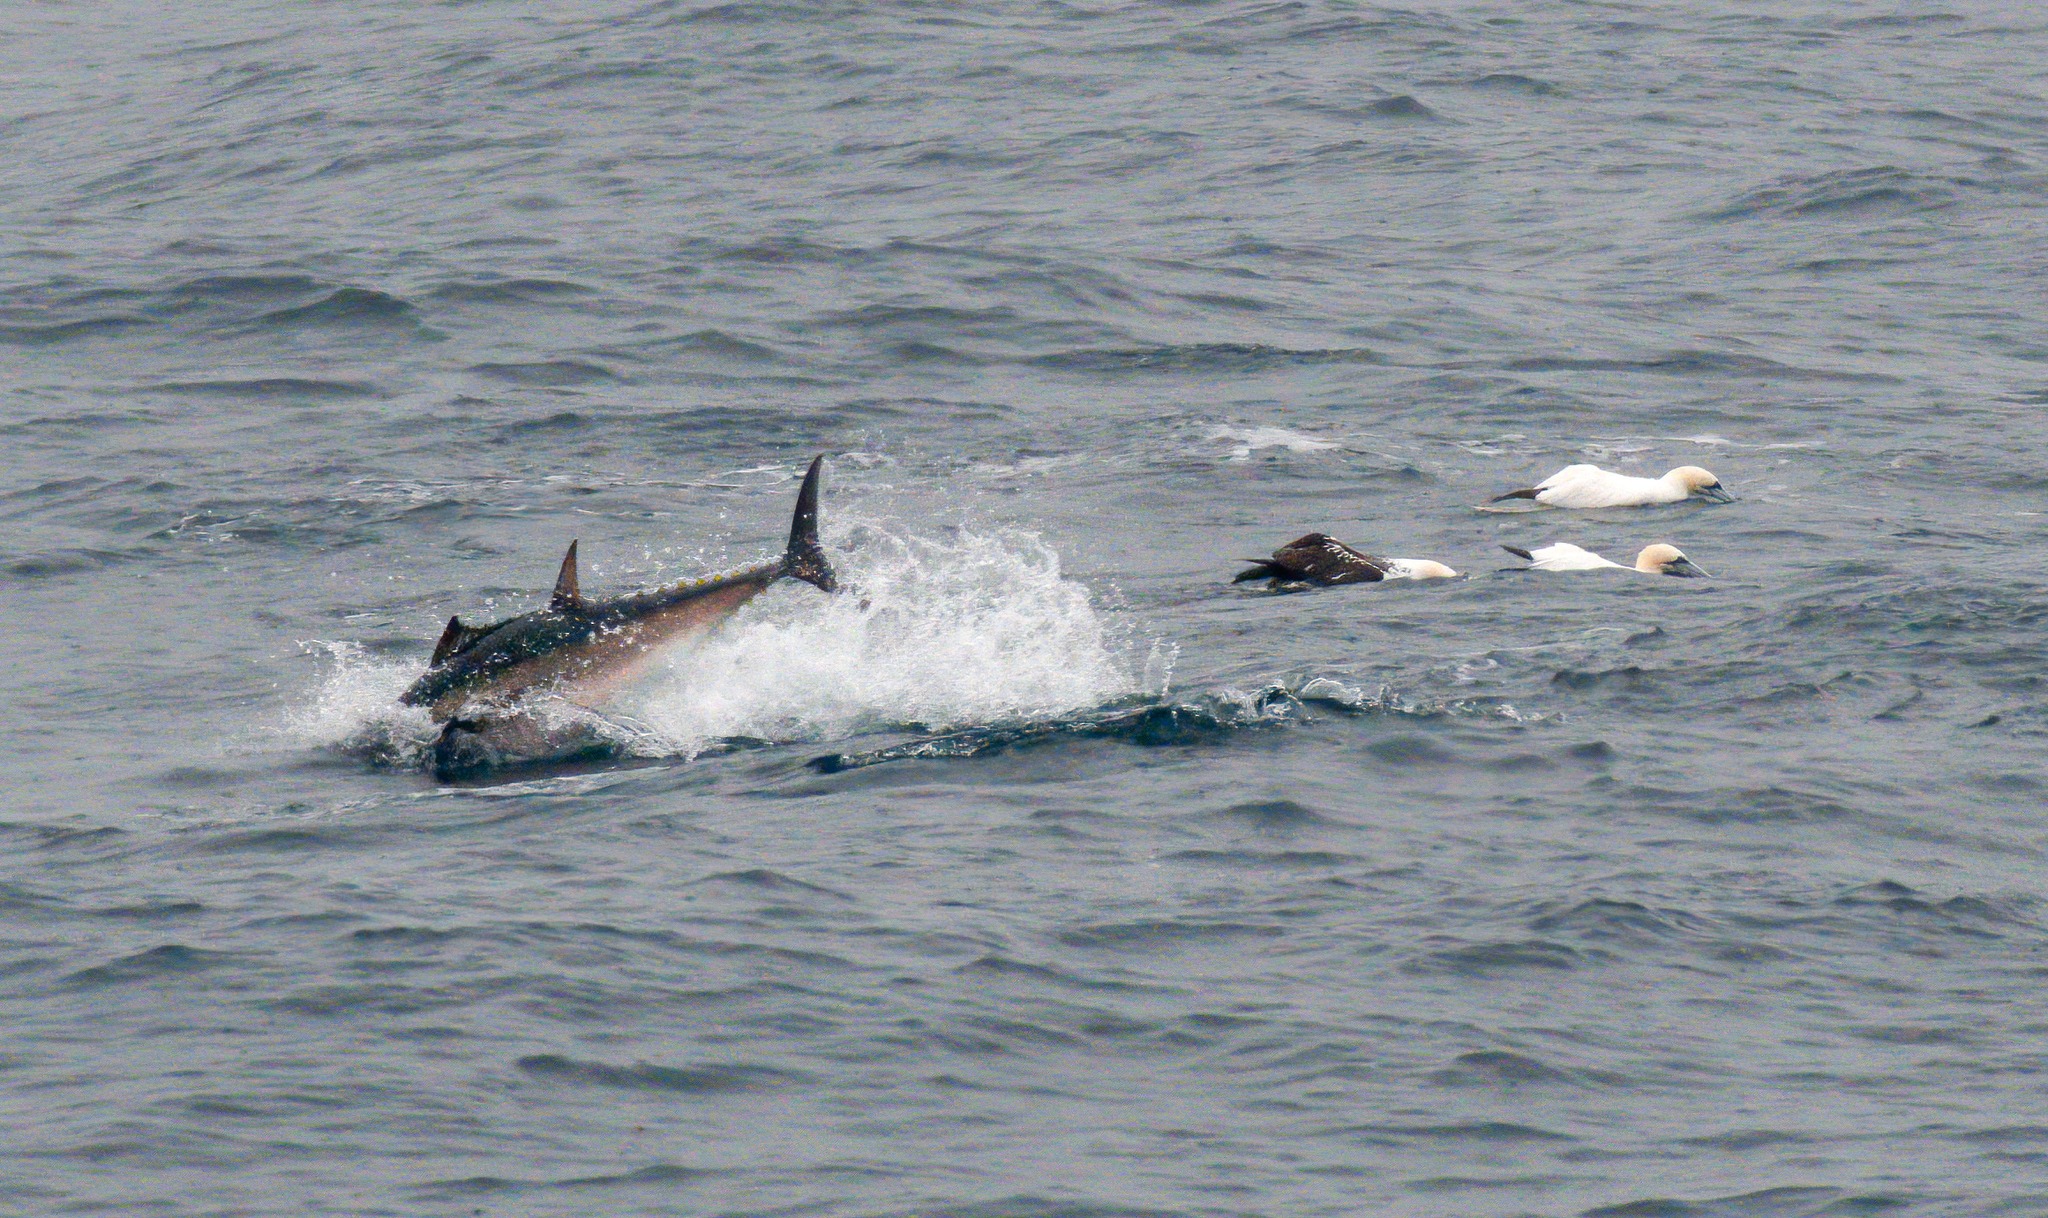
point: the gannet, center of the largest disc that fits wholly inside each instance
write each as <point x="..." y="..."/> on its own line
<point x="1658" y="559"/>
<point x="1589" y="486"/>
<point x="1321" y="559"/>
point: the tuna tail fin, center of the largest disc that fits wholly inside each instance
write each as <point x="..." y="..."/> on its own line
<point x="805" y="558"/>
<point x="1518" y="552"/>
<point x="1527" y="492"/>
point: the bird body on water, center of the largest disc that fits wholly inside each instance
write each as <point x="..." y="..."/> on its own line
<point x="1589" y="486"/>
<point x="1658" y="559"/>
<point x="1318" y="558"/>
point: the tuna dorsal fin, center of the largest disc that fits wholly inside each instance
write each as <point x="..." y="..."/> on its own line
<point x="567" y="594"/>
<point x="456" y="638"/>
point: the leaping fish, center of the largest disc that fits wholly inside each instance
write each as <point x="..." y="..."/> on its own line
<point x="1318" y="558"/>
<point x="1659" y="559"/>
<point x="1589" y="486"/>
<point x="482" y="680"/>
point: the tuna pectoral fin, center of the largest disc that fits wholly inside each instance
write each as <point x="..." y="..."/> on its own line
<point x="805" y="558"/>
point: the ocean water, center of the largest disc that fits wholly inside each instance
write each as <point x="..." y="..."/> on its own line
<point x="1048" y="875"/>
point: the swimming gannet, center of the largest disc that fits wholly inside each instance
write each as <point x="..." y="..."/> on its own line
<point x="1589" y="486"/>
<point x="1321" y="559"/>
<point x="1658" y="559"/>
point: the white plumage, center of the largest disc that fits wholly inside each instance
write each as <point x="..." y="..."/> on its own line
<point x="1419" y="568"/>
<point x="1659" y="559"/>
<point x="1589" y="486"/>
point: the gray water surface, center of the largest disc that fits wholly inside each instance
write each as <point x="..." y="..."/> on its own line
<point x="1050" y="875"/>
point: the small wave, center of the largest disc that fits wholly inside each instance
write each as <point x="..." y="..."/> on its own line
<point x="150" y="910"/>
<point x="1401" y="106"/>
<point x="1605" y="918"/>
<point x="1515" y="82"/>
<point x="265" y="841"/>
<point x="1274" y="816"/>
<point x="348" y="307"/>
<point x="1216" y="358"/>
<point x="784" y="251"/>
<point x="547" y="374"/>
<point x="1492" y="1068"/>
<point x="1842" y="193"/>
<point x="1694" y="363"/>
<point x="923" y="317"/>
<point x="245" y="288"/>
<point x="1901" y="899"/>
<point x="1790" y="1202"/>
<point x="45" y="563"/>
<point x="995" y="965"/>
<point x="1316" y="859"/>
<point x="1481" y="1132"/>
<point x="705" y="344"/>
<point x="666" y="1175"/>
<point x="170" y="961"/>
<point x="2008" y="1135"/>
<point x="1747" y="1139"/>
<point x="1492" y="959"/>
<point x="404" y="936"/>
<point x="692" y="1080"/>
<point x="1153" y="725"/>
<point x="45" y="837"/>
<point x="1151" y="936"/>
<point x="1151" y="722"/>
<point x="761" y="879"/>
<point x="918" y="352"/>
<point x="269" y="388"/>
<point x="65" y="331"/>
<point x="511" y="291"/>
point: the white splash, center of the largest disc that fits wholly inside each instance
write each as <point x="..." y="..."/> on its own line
<point x="941" y="634"/>
<point x="970" y="629"/>
<point x="1249" y="439"/>
<point x="355" y="707"/>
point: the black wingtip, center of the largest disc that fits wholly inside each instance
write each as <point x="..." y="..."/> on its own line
<point x="1525" y="493"/>
<point x="805" y="558"/>
<point x="1519" y="552"/>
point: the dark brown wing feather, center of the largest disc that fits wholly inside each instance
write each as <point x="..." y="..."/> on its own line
<point x="1321" y="559"/>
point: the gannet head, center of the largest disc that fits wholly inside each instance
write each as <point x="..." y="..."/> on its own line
<point x="1697" y="481"/>
<point x="1661" y="559"/>
<point x="1423" y="568"/>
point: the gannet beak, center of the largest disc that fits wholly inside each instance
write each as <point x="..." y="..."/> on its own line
<point x="1684" y="568"/>
<point x="1715" y="494"/>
